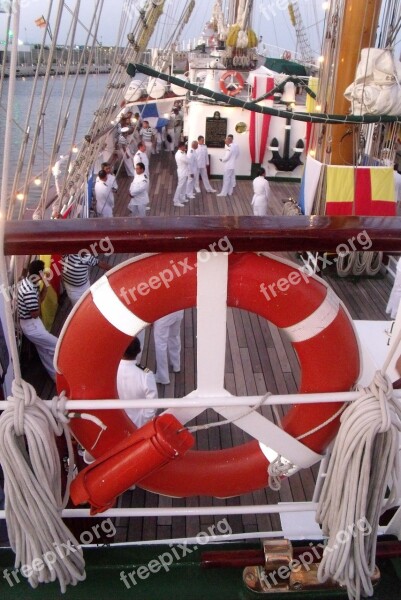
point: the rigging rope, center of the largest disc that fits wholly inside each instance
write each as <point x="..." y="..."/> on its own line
<point x="57" y="142"/>
<point x="75" y="184"/>
<point x="267" y="110"/>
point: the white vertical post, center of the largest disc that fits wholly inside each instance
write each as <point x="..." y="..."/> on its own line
<point x="211" y="331"/>
<point x="211" y="322"/>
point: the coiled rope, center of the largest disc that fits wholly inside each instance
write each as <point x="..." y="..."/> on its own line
<point x="364" y="463"/>
<point x="32" y="478"/>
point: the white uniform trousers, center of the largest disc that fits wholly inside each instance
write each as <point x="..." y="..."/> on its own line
<point x="149" y="148"/>
<point x="45" y="342"/>
<point x="167" y="334"/>
<point x="107" y="212"/>
<point x="128" y="160"/>
<point x="228" y="182"/>
<point x="74" y="292"/>
<point x="259" y="205"/>
<point x="260" y="210"/>
<point x="202" y="172"/>
<point x="190" y="185"/>
<point x="138" y="210"/>
<point x="179" y="195"/>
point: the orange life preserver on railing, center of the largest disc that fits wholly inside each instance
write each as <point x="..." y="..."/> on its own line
<point x="117" y="307"/>
<point x="236" y="80"/>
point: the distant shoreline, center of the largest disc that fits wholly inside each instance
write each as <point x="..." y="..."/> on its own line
<point x="30" y="71"/>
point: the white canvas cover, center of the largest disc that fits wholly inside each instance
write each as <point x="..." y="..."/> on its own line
<point x="376" y="89"/>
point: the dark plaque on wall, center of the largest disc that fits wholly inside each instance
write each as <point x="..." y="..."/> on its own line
<point x="216" y="131"/>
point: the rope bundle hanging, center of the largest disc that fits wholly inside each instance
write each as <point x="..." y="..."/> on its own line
<point x="32" y="485"/>
<point x="359" y="263"/>
<point x="354" y="490"/>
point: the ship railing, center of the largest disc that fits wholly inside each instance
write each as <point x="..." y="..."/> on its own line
<point x="289" y="512"/>
<point x="189" y="234"/>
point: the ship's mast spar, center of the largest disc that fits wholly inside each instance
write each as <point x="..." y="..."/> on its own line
<point x="346" y="35"/>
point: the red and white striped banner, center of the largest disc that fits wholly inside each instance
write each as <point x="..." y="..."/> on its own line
<point x="259" y="124"/>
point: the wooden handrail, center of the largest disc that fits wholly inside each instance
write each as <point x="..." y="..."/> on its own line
<point x="177" y="234"/>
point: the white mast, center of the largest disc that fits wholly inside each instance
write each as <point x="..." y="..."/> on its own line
<point x="5" y="312"/>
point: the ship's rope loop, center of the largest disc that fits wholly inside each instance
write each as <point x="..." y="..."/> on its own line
<point x="361" y="262"/>
<point x="345" y="264"/>
<point x="280" y="467"/>
<point x="229" y="421"/>
<point x="32" y="485"/>
<point x="374" y="263"/>
<point x="363" y="466"/>
<point x="358" y="263"/>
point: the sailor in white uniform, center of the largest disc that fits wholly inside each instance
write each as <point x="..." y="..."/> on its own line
<point x="135" y="383"/>
<point x="229" y="160"/>
<point x="125" y="152"/>
<point x="147" y="134"/>
<point x="192" y="169"/>
<point x="111" y="179"/>
<point x="139" y="192"/>
<point x="59" y="172"/>
<point x="140" y="156"/>
<point x="181" y="159"/>
<point x="104" y="196"/>
<point x="202" y="157"/>
<point x="178" y="123"/>
<point x="167" y="334"/>
<point x="261" y="191"/>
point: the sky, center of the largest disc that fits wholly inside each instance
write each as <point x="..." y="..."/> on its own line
<point x="271" y="20"/>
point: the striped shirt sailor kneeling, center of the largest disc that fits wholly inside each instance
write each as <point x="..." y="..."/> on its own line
<point x="28" y="300"/>
<point x="75" y="273"/>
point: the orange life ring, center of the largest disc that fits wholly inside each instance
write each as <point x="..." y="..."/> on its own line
<point x="107" y="317"/>
<point x="236" y="80"/>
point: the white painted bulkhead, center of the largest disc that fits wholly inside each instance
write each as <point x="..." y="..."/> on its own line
<point x="195" y="125"/>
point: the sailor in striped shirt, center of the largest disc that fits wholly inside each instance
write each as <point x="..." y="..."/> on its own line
<point x="28" y="300"/>
<point x="75" y="273"/>
<point x="148" y="137"/>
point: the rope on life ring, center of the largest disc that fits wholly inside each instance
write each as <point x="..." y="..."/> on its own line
<point x="234" y="85"/>
<point x="287" y="55"/>
<point x="301" y="305"/>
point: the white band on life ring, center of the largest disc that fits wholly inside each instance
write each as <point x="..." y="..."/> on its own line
<point x="113" y="310"/>
<point x="317" y="321"/>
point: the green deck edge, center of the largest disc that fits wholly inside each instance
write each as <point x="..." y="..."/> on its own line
<point x="184" y="579"/>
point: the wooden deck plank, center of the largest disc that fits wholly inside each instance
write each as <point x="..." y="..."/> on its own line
<point x="251" y="343"/>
